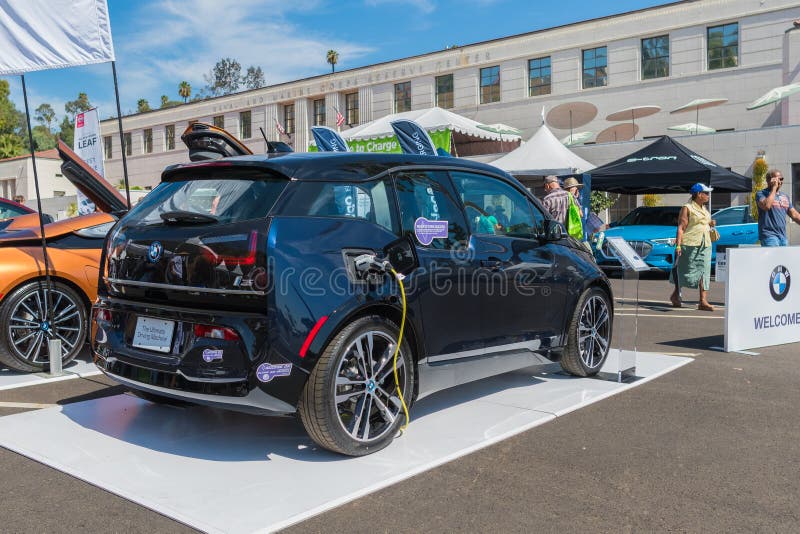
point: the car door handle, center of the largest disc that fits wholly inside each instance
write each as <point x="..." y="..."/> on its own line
<point x="492" y="264"/>
<point x="737" y="233"/>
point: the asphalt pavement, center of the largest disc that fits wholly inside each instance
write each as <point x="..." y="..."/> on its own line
<point x="712" y="446"/>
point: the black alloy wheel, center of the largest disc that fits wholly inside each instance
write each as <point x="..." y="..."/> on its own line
<point x="589" y="336"/>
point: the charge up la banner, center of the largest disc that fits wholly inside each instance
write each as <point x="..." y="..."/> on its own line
<point x="87" y="146"/>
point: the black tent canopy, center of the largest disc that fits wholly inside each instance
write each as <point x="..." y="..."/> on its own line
<point x="665" y="166"/>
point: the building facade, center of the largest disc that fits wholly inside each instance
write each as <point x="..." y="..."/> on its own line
<point x="664" y="56"/>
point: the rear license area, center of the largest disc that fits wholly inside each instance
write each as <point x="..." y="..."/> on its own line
<point x="153" y="334"/>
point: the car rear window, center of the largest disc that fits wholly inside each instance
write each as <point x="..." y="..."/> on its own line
<point x="369" y="201"/>
<point x="228" y="199"/>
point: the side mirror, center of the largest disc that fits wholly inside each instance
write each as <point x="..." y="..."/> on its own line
<point x="554" y="230"/>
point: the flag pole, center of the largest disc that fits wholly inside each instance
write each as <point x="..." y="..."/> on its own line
<point x="121" y="135"/>
<point x="48" y="297"/>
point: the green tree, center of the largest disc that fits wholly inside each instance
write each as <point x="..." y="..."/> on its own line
<point x="253" y="78"/>
<point x="45" y="115"/>
<point x="73" y="107"/>
<point x="43" y="138"/>
<point x="185" y="90"/>
<point x="224" y="78"/>
<point x="142" y="105"/>
<point x="600" y="200"/>
<point x="760" y="169"/>
<point x="164" y="101"/>
<point x="11" y="145"/>
<point x="652" y="200"/>
<point x="332" y="57"/>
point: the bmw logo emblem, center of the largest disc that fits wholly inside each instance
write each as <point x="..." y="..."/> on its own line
<point x="155" y="251"/>
<point x="779" y="282"/>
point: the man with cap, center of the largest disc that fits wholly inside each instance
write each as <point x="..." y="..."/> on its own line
<point x="556" y="201"/>
<point x="773" y="207"/>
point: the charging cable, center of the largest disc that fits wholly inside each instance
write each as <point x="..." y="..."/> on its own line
<point x="399" y="278"/>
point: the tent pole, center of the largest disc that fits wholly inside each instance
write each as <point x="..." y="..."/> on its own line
<point x="48" y="297"/>
<point x="121" y="135"/>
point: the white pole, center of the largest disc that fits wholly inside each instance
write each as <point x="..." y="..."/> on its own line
<point x="54" y="349"/>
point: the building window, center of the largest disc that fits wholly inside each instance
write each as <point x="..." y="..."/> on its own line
<point x="655" y="57"/>
<point x="219" y="121"/>
<point x="288" y="118"/>
<point x="351" y="108"/>
<point x="128" y="143"/>
<point x="490" y="85"/>
<point x="444" y="91"/>
<point x="402" y="97"/>
<point x="723" y="46"/>
<point x="539" y="76"/>
<point x="245" y="131"/>
<point x="319" y="112"/>
<point x="148" y="141"/>
<point x="169" y="137"/>
<point x="595" y="63"/>
<point x="107" y="146"/>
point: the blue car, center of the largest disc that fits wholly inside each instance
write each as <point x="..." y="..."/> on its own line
<point x="651" y="232"/>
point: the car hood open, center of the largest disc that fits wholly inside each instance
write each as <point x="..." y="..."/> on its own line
<point x="87" y="181"/>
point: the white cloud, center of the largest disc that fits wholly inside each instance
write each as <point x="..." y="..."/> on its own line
<point x="181" y="40"/>
<point x="425" y="6"/>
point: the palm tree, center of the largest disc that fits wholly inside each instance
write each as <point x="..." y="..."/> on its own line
<point x="332" y="57"/>
<point x="185" y="90"/>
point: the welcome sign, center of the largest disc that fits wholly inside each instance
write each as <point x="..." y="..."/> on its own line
<point x="762" y="300"/>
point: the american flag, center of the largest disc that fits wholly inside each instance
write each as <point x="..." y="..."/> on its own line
<point x="280" y="128"/>
<point x="339" y="118"/>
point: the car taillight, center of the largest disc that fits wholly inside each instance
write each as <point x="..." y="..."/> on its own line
<point x="101" y="314"/>
<point x="215" y="332"/>
<point x="247" y="259"/>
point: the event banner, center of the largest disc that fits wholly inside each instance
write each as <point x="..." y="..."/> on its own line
<point x="441" y="139"/>
<point x="412" y="138"/>
<point x="87" y="146"/>
<point x="762" y="303"/>
<point x="328" y="139"/>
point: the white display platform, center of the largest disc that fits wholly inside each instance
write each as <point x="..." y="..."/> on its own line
<point x="14" y="379"/>
<point x="225" y="472"/>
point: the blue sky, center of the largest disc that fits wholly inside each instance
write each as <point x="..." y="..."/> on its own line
<point x="158" y="43"/>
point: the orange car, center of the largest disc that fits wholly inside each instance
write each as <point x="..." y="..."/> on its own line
<point x="74" y="247"/>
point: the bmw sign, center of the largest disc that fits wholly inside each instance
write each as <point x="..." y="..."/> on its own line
<point x="155" y="251"/>
<point x="779" y="282"/>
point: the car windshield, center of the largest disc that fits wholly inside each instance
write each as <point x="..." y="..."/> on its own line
<point x="223" y="199"/>
<point x="652" y="216"/>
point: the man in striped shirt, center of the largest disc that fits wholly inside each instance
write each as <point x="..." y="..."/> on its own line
<point x="556" y="201"/>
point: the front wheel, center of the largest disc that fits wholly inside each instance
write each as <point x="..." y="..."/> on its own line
<point x="350" y="403"/>
<point x="589" y="336"/>
<point x="26" y="326"/>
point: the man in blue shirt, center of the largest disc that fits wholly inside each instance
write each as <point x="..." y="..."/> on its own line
<point x="773" y="206"/>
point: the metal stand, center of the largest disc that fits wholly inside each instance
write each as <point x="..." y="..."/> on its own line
<point x="54" y="347"/>
<point x="626" y="313"/>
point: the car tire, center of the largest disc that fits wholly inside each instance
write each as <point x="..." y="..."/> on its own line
<point x="23" y="337"/>
<point x="589" y="334"/>
<point x="340" y="389"/>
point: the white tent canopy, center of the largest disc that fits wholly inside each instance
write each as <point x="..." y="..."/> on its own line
<point x="541" y="155"/>
<point x="431" y="119"/>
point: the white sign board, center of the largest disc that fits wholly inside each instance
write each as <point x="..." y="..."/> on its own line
<point x="627" y="256"/>
<point x="87" y="146"/>
<point x="721" y="269"/>
<point x="762" y="300"/>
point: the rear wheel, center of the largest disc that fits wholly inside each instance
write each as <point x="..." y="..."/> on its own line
<point x="589" y="336"/>
<point x="26" y="327"/>
<point x="350" y="403"/>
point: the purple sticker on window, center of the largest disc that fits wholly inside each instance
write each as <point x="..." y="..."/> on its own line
<point x="268" y="371"/>
<point x="426" y="231"/>
<point x="209" y="355"/>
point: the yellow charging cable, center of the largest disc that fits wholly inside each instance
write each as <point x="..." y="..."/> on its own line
<point x="397" y="349"/>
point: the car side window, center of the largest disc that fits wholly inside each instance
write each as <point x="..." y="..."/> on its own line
<point x="368" y="200"/>
<point x="7" y="211"/>
<point x="730" y="216"/>
<point x="494" y="207"/>
<point x="424" y="195"/>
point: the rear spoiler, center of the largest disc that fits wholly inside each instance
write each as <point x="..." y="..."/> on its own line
<point x="88" y="182"/>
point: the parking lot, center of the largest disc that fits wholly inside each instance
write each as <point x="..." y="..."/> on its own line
<point x="709" y="447"/>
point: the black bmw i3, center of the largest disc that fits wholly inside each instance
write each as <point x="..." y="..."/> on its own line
<point x="268" y="285"/>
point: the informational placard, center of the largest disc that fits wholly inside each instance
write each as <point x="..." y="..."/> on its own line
<point x="629" y="258"/>
<point x="721" y="268"/>
<point x="762" y="302"/>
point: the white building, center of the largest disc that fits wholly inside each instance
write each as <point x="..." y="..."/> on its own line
<point x="16" y="178"/>
<point x="665" y="56"/>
